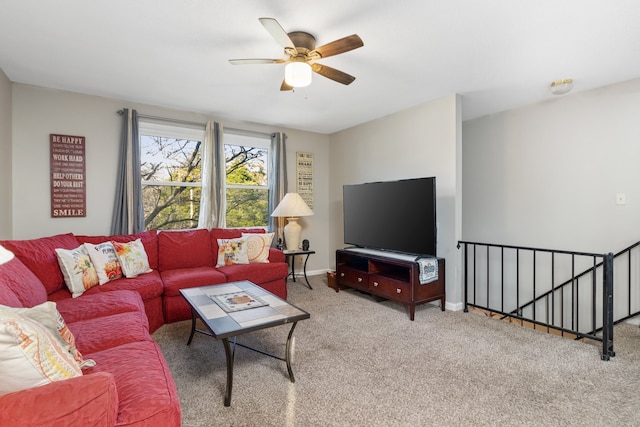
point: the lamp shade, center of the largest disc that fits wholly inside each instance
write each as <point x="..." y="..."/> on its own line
<point x="297" y="74"/>
<point x="5" y="255"/>
<point x="292" y="205"/>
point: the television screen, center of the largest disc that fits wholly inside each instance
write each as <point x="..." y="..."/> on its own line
<point x="393" y="215"/>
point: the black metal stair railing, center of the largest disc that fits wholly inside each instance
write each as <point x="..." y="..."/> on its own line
<point x="565" y="291"/>
<point x="627" y="300"/>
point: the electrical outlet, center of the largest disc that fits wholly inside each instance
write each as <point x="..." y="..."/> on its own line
<point x="621" y="199"/>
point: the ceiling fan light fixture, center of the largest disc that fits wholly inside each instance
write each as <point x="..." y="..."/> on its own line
<point x="297" y="74"/>
<point x="562" y="86"/>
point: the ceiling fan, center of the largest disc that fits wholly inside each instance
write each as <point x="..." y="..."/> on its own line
<point x="302" y="54"/>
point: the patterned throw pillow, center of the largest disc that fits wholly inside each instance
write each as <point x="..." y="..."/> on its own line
<point x="48" y="316"/>
<point x="132" y="258"/>
<point x="258" y="246"/>
<point x="30" y="355"/>
<point x="77" y="269"/>
<point x="105" y="260"/>
<point x="232" y="251"/>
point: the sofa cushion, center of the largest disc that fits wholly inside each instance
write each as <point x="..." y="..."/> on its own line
<point x="98" y="305"/>
<point x="148" y="285"/>
<point x="79" y="272"/>
<point x="17" y="278"/>
<point x="40" y="257"/>
<point x="8" y="298"/>
<point x="184" y="249"/>
<point x="174" y="280"/>
<point x="256" y="273"/>
<point x="89" y="400"/>
<point x="30" y="355"/>
<point x="149" y="240"/>
<point x="146" y="390"/>
<point x="93" y="335"/>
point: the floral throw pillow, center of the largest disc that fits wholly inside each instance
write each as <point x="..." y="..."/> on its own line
<point x="232" y="251"/>
<point x="105" y="260"/>
<point x="132" y="258"/>
<point x="78" y="270"/>
<point x="258" y="245"/>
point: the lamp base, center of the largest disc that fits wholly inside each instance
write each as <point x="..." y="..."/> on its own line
<point x="292" y="233"/>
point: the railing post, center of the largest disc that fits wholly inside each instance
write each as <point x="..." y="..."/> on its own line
<point x="466" y="277"/>
<point x="607" y="306"/>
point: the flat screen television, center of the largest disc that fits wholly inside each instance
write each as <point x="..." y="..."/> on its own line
<point x="397" y="216"/>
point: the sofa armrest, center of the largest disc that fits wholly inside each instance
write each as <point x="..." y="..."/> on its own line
<point x="81" y="401"/>
<point x="276" y="255"/>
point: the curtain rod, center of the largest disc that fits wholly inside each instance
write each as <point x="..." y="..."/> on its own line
<point x="246" y="132"/>
<point x="230" y="129"/>
<point x="167" y="119"/>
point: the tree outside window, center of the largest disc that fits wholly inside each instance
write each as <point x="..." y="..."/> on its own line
<point x="171" y="182"/>
<point x="247" y="192"/>
<point x="171" y="168"/>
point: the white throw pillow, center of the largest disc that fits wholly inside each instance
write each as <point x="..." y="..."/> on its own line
<point x="232" y="251"/>
<point x="30" y="355"/>
<point x="258" y="245"/>
<point x="78" y="270"/>
<point x="105" y="260"/>
<point x="132" y="258"/>
<point x="48" y="316"/>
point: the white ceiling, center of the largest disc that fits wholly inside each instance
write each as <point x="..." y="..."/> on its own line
<point x="498" y="54"/>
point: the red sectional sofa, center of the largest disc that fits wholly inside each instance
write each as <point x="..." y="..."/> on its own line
<point x="112" y="324"/>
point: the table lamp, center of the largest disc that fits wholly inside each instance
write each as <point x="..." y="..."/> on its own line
<point x="5" y="255"/>
<point x="291" y="207"/>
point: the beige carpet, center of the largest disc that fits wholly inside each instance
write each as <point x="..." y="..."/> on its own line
<point x="364" y="363"/>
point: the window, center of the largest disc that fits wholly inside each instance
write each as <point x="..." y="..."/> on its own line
<point x="247" y="192"/>
<point x="170" y="163"/>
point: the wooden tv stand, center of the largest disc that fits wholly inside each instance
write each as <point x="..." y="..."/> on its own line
<point x="390" y="276"/>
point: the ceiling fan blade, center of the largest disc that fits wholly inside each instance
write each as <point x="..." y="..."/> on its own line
<point x="333" y="74"/>
<point x="256" y="61"/>
<point x="336" y="47"/>
<point x="285" y="86"/>
<point x="277" y="32"/>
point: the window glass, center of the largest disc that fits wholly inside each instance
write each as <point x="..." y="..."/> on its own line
<point x="171" y="166"/>
<point x="247" y="186"/>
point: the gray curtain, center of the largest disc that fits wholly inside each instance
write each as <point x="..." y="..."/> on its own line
<point x="212" y="200"/>
<point x="128" y="215"/>
<point x="277" y="180"/>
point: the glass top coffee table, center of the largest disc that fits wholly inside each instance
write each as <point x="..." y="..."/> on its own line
<point x="232" y="309"/>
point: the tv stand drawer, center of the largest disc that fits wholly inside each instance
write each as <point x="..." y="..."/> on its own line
<point x="353" y="277"/>
<point x="390" y="288"/>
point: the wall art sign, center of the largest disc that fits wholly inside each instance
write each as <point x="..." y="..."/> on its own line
<point x="68" y="177"/>
<point x="304" y="181"/>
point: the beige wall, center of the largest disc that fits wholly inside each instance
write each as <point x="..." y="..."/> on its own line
<point x="419" y="142"/>
<point x="548" y="175"/>
<point x="5" y="158"/>
<point x="37" y="112"/>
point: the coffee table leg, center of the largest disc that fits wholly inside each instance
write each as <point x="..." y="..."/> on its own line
<point x="229" y="356"/>
<point x="193" y="326"/>
<point x="288" y="353"/>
